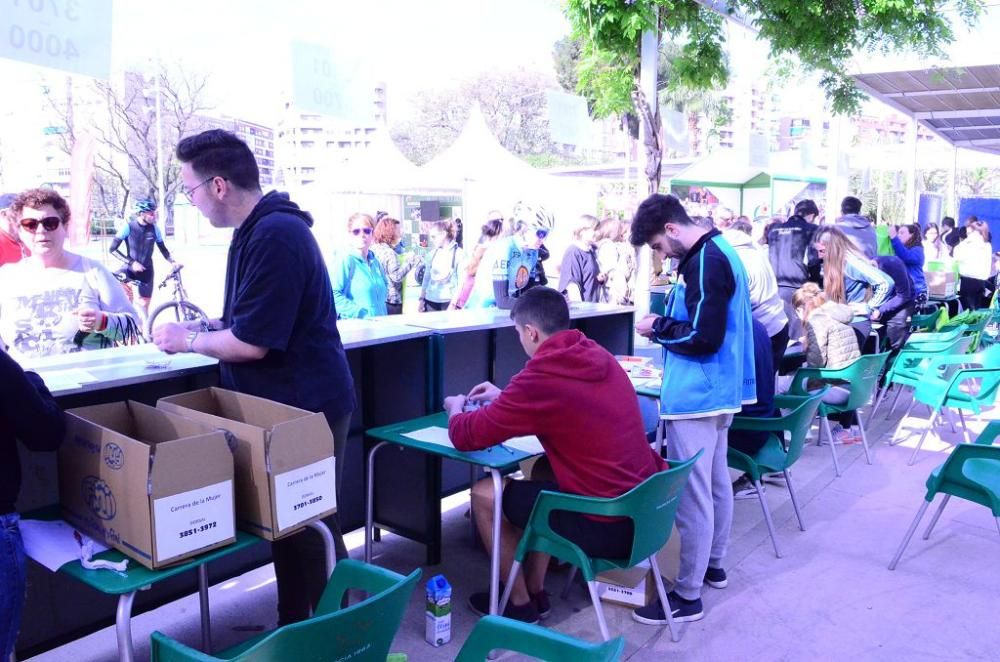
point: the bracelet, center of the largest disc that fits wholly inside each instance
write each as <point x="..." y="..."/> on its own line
<point x="190" y="340"/>
<point x="104" y="322"/>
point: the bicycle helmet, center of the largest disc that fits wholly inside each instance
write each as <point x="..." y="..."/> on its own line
<point x="145" y="205"/>
<point x="538" y="218"/>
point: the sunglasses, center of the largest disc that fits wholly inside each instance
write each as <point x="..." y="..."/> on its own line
<point x="541" y="234"/>
<point x="357" y="231"/>
<point x="49" y="223"/>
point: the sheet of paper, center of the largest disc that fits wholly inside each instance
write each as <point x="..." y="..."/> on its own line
<point x="529" y="444"/>
<point x="52" y="543"/>
<point x="305" y="492"/>
<point x="60" y="380"/>
<point x="432" y="435"/>
<point x="193" y="519"/>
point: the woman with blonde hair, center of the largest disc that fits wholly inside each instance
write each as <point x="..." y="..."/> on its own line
<point x="578" y="276"/>
<point x="360" y="286"/>
<point x="387" y="236"/>
<point x="830" y="342"/>
<point x="442" y="283"/>
<point x="489" y="234"/>
<point x="616" y="261"/>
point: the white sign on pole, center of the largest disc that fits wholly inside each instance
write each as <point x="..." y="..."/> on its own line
<point x="69" y="35"/>
<point x="569" y="121"/>
<point x="330" y="85"/>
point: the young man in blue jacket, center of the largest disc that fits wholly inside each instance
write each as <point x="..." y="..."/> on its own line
<point x="708" y="375"/>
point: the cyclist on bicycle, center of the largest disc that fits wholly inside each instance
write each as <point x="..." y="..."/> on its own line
<point x="139" y="235"/>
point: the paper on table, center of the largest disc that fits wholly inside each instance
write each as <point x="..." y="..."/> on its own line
<point x="60" y="380"/>
<point x="52" y="543"/>
<point x="529" y="444"/>
<point x="432" y="435"/>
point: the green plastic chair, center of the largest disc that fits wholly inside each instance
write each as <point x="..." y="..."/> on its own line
<point x="910" y="366"/>
<point x="942" y="387"/>
<point x="926" y="322"/>
<point x="774" y="456"/>
<point x="651" y="505"/>
<point x="971" y="472"/>
<point x="861" y="378"/>
<point x="362" y="632"/>
<point x="497" y="633"/>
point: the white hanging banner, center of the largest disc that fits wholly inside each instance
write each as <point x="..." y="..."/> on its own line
<point x="330" y="84"/>
<point x="569" y="122"/>
<point x="69" y="35"/>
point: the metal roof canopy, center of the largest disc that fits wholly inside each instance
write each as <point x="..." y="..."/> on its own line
<point x="959" y="104"/>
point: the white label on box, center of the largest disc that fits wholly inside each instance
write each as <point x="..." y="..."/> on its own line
<point x="303" y="493"/>
<point x="193" y="520"/>
<point x="623" y="595"/>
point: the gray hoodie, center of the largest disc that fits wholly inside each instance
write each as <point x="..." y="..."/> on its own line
<point x="861" y="231"/>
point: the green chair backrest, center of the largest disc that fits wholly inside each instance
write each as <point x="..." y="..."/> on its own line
<point x="926" y="322"/>
<point x="862" y="377"/>
<point x="798" y="421"/>
<point x="362" y="632"/>
<point x="989" y="434"/>
<point x="498" y="633"/>
<point x="971" y="472"/>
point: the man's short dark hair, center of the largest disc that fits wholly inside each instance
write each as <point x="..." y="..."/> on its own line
<point x="218" y="153"/>
<point x="947" y="222"/>
<point x="806" y="207"/>
<point x="850" y="205"/>
<point x="543" y="308"/>
<point x="654" y="212"/>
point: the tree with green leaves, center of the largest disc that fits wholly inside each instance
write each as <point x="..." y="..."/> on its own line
<point x="823" y="35"/>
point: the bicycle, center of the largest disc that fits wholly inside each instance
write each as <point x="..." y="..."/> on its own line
<point x="129" y="286"/>
<point x="183" y="310"/>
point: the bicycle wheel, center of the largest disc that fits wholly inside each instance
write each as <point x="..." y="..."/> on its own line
<point x="175" y="311"/>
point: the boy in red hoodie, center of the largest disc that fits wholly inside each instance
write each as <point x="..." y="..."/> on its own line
<point x="574" y="396"/>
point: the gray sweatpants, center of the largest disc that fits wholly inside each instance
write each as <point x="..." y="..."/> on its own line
<point x="705" y="513"/>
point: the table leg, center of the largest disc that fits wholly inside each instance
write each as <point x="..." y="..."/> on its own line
<point x="123" y="627"/>
<point x="472" y="517"/>
<point x="495" y="552"/>
<point x="206" y="621"/>
<point x="370" y="501"/>
<point x="331" y="551"/>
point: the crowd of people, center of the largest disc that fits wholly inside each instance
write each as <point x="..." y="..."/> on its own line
<point x="734" y="312"/>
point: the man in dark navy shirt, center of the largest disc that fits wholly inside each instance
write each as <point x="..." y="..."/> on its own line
<point x="277" y="337"/>
<point x="140" y="234"/>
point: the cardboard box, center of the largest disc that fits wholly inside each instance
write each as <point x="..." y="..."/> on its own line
<point x="941" y="283"/>
<point x="284" y="458"/>
<point x="155" y="486"/>
<point x="635" y="587"/>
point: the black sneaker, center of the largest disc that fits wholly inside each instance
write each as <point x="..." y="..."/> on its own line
<point x="683" y="611"/>
<point x="480" y="603"/>
<point x="542" y="604"/>
<point x="716" y="577"/>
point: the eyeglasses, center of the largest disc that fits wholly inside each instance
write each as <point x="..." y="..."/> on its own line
<point x="358" y="231"/>
<point x="190" y="194"/>
<point x="541" y="234"/>
<point x="49" y="223"/>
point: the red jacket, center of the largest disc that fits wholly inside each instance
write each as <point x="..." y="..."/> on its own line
<point x="582" y="406"/>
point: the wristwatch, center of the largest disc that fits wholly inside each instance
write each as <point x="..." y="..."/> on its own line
<point x="189" y="340"/>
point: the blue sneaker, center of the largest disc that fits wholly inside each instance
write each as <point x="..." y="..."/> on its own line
<point x="683" y="611"/>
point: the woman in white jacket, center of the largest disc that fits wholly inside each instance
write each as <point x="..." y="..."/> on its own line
<point x="765" y="304"/>
<point x="974" y="256"/>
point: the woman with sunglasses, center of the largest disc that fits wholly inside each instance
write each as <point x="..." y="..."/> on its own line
<point x="360" y="286"/>
<point x="55" y="301"/>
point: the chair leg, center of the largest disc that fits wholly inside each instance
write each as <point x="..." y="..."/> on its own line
<point x="951" y="421"/>
<point x="795" y="500"/>
<point x="819" y="430"/>
<point x="930" y="424"/>
<point x="833" y="446"/>
<point x="998" y="525"/>
<point x="965" y="429"/>
<point x="937" y="514"/>
<point x="661" y="593"/>
<point x="899" y="392"/>
<point x="909" y="534"/>
<point x="569" y="582"/>
<point x="893" y="440"/>
<point x="515" y="568"/>
<point x="864" y="441"/>
<point x="767" y="517"/>
<point x="596" y="599"/>
<point x="878" y="402"/>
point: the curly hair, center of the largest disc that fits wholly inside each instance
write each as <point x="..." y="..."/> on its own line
<point x="36" y="198"/>
<point x="386" y="229"/>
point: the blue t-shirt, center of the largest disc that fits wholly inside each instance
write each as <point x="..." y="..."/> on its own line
<point x="278" y="296"/>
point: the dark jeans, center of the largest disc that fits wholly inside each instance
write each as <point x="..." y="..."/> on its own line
<point x="795" y="330"/>
<point x="436" y="305"/>
<point x="12" y="583"/>
<point x="779" y="343"/>
<point x="972" y="293"/>
<point x="300" y="559"/>
<point x="394" y="308"/>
